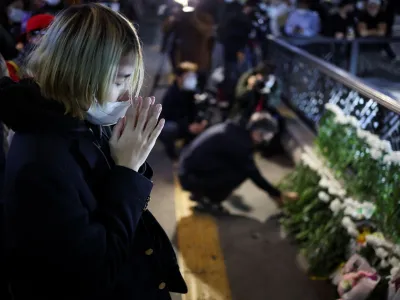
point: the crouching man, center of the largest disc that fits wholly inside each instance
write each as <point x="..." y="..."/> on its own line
<point x="221" y="159"/>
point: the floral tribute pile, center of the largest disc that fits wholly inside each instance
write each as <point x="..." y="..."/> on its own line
<point x="349" y="188"/>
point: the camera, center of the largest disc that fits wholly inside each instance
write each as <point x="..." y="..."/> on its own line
<point x="205" y="105"/>
<point x="267" y="86"/>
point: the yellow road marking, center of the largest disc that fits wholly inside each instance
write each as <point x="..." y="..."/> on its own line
<point x="200" y="254"/>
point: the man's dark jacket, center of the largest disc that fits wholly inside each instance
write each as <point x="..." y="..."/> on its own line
<point x="221" y="155"/>
<point x="179" y="107"/>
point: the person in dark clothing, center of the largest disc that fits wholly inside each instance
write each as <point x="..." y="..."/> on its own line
<point x="234" y="35"/>
<point x="4" y="294"/>
<point x="221" y="159"/>
<point x="343" y="22"/>
<point x="76" y="192"/>
<point x="179" y="110"/>
<point x="372" y="22"/>
<point x="257" y="90"/>
<point x="35" y="28"/>
<point x="7" y="44"/>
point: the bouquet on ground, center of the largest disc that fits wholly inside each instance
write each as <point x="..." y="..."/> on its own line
<point x="357" y="280"/>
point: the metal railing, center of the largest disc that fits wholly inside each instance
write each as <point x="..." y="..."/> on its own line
<point x="310" y="82"/>
<point x="347" y="52"/>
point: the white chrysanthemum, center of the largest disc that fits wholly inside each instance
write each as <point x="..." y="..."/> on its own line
<point x="381" y="253"/>
<point x="347" y="222"/>
<point x="392" y="158"/>
<point x="324" y="183"/>
<point x="352" y="121"/>
<point x="374" y="240"/>
<point x="341" y="119"/>
<point x="336" y="206"/>
<point x="376" y="153"/>
<point x="384" y="264"/>
<point x="394" y="261"/>
<point x="362" y="134"/>
<point x="333" y="108"/>
<point x="324" y="197"/>
<point x="394" y="271"/>
<point x="352" y="231"/>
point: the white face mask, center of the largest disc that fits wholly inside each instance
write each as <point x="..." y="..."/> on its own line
<point x="16" y="15"/>
<point x="53" y="2"/>
<point x="190" y="82"/>
<point x="108" y="114"/>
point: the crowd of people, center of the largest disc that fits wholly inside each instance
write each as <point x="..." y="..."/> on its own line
<point x="74" y="217"/>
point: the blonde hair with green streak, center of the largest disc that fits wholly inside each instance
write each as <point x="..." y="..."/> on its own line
<point x="77" y="59"/>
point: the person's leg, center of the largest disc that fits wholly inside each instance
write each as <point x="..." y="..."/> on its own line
<point x="168" y="137"/>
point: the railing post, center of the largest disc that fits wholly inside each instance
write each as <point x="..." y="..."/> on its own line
<point x="355" y="51"/>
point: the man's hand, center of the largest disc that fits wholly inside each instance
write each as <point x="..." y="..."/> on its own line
<point x="291" y="196"/>
<point x="285" y="196"/>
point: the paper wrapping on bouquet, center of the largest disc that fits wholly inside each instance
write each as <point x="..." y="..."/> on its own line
<point x="394" y="288"/>
<point x="354" y="264"/>
<point x="357" y="279"/>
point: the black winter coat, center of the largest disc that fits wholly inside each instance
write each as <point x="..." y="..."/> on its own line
<point x="77" y="225"/>
<point x="222" y="154"/>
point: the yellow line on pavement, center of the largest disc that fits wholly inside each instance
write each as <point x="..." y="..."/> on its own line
<point x="200" y="254"/>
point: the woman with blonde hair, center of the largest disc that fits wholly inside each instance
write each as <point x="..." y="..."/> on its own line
<point x="76" y="194"/>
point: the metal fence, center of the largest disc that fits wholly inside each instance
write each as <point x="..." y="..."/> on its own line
<point x="360" y="56"/>
<point x="310" y="82"/>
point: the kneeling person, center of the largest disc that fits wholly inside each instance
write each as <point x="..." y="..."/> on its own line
<point x="221" y="159"/>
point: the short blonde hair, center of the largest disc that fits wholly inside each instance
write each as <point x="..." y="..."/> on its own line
<point x="77" y="59"/>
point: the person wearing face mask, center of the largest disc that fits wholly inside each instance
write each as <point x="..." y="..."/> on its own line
<point x="179" y="110"/>
<point x="17" y="14"/>
<point x="221" y="159"/>
<point x="343" y="23"/>
<point x="76" y="195"/>
<point x="35" y="29"/>
<point x="372" y="22"/>
<point x="303" y="22"/>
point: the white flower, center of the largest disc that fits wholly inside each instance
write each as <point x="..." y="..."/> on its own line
<point x="336" y="206"/>
<point x="394" y="271"/>
<point x="349" y="202"/>
<point x="386" y="146"/>
<point x="324" y="183"/>
<point x="384" y="264"/>
<point x="376" y="153"/>
<point x="352" y="121"/>
<point x="396" y="250"/>
<point x="392" y="158"/>
<point x="324" y="197"/>
<point x="352" y="231"/>
<point x="375" y="240"/>
<point x="362" y="134"/>
<point x="381" y="253"/>
<point x="347" y="222"/>
<point x="395" y="262"/>
<point x="333" y="108"/>
<point x="341" y="119"/>
<point x="353" y="212"/>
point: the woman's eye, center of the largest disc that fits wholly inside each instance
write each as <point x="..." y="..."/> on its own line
<point x="118" y="84"/>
